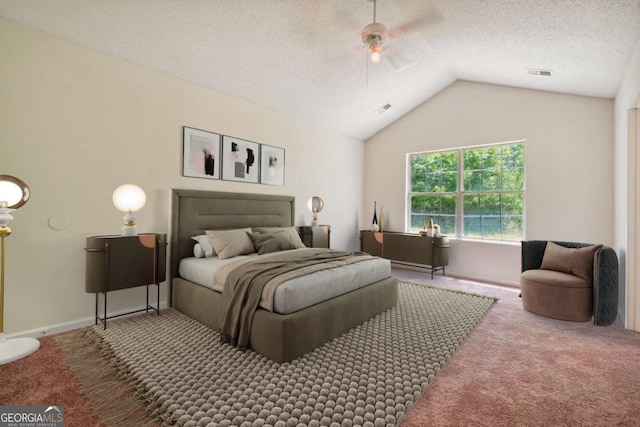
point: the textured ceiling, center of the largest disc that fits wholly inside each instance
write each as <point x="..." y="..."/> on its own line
<point x="306" y="58"/>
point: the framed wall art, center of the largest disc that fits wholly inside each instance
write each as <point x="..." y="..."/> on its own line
<point x="201" y="156"/>
<point x="240" y="160"/>
<point x="271" y="165"/>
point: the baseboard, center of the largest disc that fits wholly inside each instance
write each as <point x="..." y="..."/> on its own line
<point x="486" y="280"/>
<point x="58" y="328"/>
<point x="480" y="279"/>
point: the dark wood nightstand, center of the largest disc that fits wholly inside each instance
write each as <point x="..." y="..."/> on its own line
<point x="123" y="262"/>
<point x="315" y="236"/>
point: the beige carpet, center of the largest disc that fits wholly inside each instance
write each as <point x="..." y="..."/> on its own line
<point x="371" y="375"/>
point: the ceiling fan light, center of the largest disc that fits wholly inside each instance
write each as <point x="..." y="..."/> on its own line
<point x="374" y="48"/>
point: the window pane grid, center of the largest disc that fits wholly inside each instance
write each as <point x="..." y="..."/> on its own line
<point x="487" y="182"/>
<point x="494" y="215"/>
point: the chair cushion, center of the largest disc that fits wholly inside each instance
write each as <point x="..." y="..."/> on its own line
<point x="575" y="261"/>
<point x="555" y="278"/>
<point x="557" y="295"/>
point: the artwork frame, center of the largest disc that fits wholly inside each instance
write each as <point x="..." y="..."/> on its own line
<point x="240" y="160"/>
<point x="201" y="153"/>
<point x="272" y="165"/>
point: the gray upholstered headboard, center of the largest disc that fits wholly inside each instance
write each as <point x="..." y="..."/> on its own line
<point x="194" y="211"/>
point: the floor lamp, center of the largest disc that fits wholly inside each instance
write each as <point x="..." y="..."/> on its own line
<point x="13" y="194"/>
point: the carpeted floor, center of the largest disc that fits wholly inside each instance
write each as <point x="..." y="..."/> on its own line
<point x="515" y="369"/>
<point x="371" y="375"/>
<point x="522" y="369"/>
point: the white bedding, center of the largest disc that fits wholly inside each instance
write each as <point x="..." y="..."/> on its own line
<point x="298" y="293"/>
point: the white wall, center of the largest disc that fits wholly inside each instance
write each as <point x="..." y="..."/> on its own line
<point x="568" y="155"/>
<point x="626" y="169"/>
<point x="75" y="124"/>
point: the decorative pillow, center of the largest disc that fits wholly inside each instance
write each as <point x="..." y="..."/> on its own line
<point x="203" y="241"/>
<point x="198" y="252"/>
<point x="271" y="242"/>
<point x="230" y="243"/>
<point x="576" y="261"/>
<point x="291" y="233"/>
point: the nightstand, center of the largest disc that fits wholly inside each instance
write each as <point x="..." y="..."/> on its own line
<point x="123" y="262"/>
<point x="315" y="236"/>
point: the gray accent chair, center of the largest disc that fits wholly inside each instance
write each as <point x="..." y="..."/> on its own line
<point x="563" y="296"/>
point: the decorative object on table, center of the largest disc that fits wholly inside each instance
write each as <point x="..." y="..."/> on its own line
<point x="129" y="198"/>
<point x="436" y="230"/>
<point x="201" y="153"/>
<point x="13" y="194"/>
<point x="240" y="160"/>
<point x="381" y="220"/>
<point x="271" y="165"/>
<point x="374" y="222"/>
<point x="315" y="204"/>
<point x="430" y="230"/>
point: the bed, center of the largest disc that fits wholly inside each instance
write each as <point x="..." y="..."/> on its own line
<point x="280" y="337"/>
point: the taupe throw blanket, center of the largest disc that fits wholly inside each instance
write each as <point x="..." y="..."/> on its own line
<point x="244" y="284"/>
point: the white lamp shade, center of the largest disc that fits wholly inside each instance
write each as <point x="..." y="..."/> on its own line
<point x="13" y="191"/>
<point x="129" y="198"/>
<point x="315" y="204"/>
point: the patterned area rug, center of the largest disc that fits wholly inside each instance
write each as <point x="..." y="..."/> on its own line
<point x="370" y="376"/>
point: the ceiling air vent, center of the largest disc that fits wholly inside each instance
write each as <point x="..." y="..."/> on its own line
<point x="382" y="109"/>
<point x="539" y="72"/>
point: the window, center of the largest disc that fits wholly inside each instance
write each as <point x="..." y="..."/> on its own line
<point x="475" y="192"/>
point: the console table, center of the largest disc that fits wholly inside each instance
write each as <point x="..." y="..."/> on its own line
<point x="431" y="253"/>
<point x="122" y="262"/>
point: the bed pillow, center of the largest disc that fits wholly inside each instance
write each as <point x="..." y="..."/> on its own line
<point x="271" y="242"/>
<point x="230" y="243"/>
<point x="198" y="252"/>
<point x="291" y="233"/>
<point x="576" y="261"/>
<point x="205" y="245"/>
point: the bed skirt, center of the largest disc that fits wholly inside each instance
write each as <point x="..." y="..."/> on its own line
<point x="283" y="337"/>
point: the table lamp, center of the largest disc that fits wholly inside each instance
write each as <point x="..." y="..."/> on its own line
<point x="315" y="205"/>
<point x="13" y="194"/>
<point x="129" y="198"/>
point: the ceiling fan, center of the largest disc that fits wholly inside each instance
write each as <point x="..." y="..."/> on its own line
<point x="376" y="33"/>
<point x="373" y="35"/>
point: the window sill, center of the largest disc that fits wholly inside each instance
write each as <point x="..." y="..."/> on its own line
<point x="485" y="241"/>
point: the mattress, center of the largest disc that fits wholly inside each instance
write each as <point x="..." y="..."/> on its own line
<point x="298" y="293"/>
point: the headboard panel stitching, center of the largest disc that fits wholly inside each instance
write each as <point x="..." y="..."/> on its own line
<point x="194" y="211"/>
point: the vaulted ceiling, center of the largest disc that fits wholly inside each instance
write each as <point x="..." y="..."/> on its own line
<point x="306" y="57"/>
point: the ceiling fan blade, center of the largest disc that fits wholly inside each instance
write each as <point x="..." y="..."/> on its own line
<point x="399" y="61"/>
<point x="417" y="24"/>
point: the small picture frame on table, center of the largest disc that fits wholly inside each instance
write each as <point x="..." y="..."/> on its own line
<point x="271" y="165"/>
<point x="240" y="160"/>
<point x="201" y="156"/>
